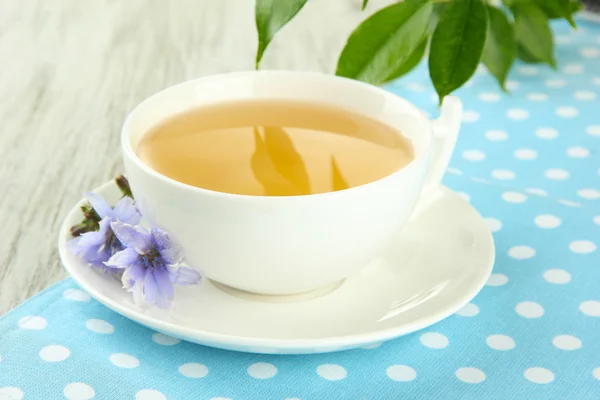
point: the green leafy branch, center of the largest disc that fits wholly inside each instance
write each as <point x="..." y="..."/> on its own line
<point x="459" y="34"/>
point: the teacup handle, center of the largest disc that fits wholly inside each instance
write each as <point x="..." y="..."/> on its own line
<point x="445" y="132"/>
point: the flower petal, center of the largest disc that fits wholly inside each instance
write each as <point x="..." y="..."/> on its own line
<point x="94" y="238"/>
<point x="163" y="280"/>
<point x="161" y="238"/>
<point x="172" y="256"/>
<point x="150" y="288"/>
<point x="133" y="236"/>
<point x="133" y="275"/>
<point x="162" y="301"/>
<point x="126" y="212"/>
<point x="100" y="205"/>
<point x="186" y="276"/>
<point x="123" y="259"/>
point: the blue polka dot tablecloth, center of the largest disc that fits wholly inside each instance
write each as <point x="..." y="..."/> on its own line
<point x="529" y="162"/>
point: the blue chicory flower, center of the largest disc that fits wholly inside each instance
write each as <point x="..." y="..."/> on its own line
<point x="99" y="246"/>
<point x="151" y="264"/>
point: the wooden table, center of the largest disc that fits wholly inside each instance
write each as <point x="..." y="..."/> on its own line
<point x="71" y="70"/>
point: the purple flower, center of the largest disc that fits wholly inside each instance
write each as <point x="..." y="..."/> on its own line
<point x="151" y="263"/>
<point x="96" y="247"/>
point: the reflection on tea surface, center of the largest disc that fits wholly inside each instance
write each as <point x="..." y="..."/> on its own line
<point x="274" y="148"/>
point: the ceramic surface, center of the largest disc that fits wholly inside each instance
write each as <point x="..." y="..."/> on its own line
<point x="293" y="244"/>
<point x="437" y="264"/>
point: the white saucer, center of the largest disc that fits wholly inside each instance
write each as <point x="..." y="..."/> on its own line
<point x="436" y="266"/>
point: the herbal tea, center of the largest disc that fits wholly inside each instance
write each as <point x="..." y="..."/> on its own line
<point x="274" y="148"/>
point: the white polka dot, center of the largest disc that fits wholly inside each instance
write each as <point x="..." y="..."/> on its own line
<point x="514" y="197"/>
<point x="596" y="219"/>
<point x="596" y="373"/>
<point x="33" y="323"/>
<point x="262" y="370"/>
<point x="473" y="155"/>
<point x="590" y="52"/>
<point x="149" y="394"/>
<point x="194" y="370"/>
<point x="494" y="224"/>
<point x="557" y="276"/>
<point x="372" y="346"/>
<point x="496" y="135"/>
<point x="99" y="326"/>
<point x="497" y="280"/>
<point x="596" y="81"/>
<point x="54" y="353"/>
<point x="518" y="114"/>
<point x="401" y="373"/>
<point x="527" y="70"/>
<point x="539" y="375"/>
<point x="578" y="152"/>
<point x="573" y="69"/>
<point x="331" y="372"/>
<point x="547" y="221"/>
<point x="569" y="203"/>
<point x="454" y="171"/>
<point x="537" y="96"/>
<point x="470" y="116"/>
<point x="591" y="308"/>
<point x="562" y="39"/>
<point x="582" y="246"/>
<point x="512" y="85"/>
<point x="11" y="393"/>
<point x="434" y="340"/>
<point x="489" y="97"/>
<point x="566" y="111"/>
<point x="470" y="375"/>
<point x="479" y="180"/>
<point x="521" y="252"/>
<point x="555" y="83"/>
<point x="589" y="194"/>
<point x="415" y="87"/>
<point x="556" y="174"/>
<point x="76" y="295"/>
<point x="593" y="130"/>
<point x="468" y="310"/>
<point x="585" y="95"/>
<point x="464" y="195"/>
<point x="525" y="154"/>
<point x="79" y="391"/>
<point x="566" y="342"/>
<point x="164" y="340"/>
<point x="529" y="309"/>
<point x="537" y="191"/>
<point x="546" y="133"/>
<point x="123" y="360"/>
<point x="503" y="174"/>
<point x="500" y="342"/>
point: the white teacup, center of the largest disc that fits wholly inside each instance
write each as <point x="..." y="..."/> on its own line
<point x="288" y="245"/>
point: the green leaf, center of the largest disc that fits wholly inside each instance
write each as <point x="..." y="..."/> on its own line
<point x="415" y="57"/>
<point x="271" y="16"/>
<point x="525" y="56"/>
<point x="533" y="32"/>
<point x="384" y="41"/>
<point x="364" y="4"/>
<point x="457" y="45"/>
<point x="500" y="47"/>
<point x="559" y="9"/>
